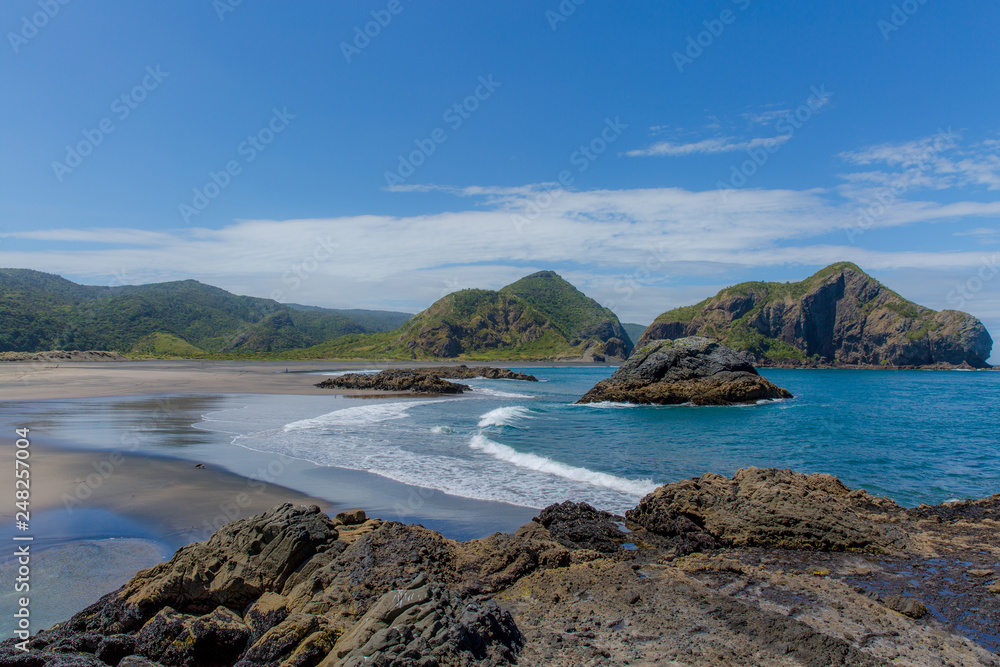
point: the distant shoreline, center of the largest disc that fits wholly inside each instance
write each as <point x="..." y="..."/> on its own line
<point x="38" y="381"/>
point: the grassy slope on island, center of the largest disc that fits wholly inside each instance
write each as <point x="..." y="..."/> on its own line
<point x="539" y="317"/>
<point x="838" y="315"/>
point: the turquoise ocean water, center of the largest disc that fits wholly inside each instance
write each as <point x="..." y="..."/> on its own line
<point x="915" y="436"/>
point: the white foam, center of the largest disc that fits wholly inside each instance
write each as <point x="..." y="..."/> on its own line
<point x="607" y="404"/>
<point x="357" y="416"/>
<point x="442" y="429"/>
<point x="499" y="394"/>
<point x="546" y="465"/>
<point x="505" y="416"/>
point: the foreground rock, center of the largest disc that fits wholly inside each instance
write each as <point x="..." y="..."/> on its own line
<point x="63" y="355"/>
<point x="464" y="372"/>
<point x="779" y="568"/>
<point x="689" y="370"/>
<point x="395" y="381"/>
<point x="767" y="508"/>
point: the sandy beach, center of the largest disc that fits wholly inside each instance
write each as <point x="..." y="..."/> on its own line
<point x="32" y="381"/>
<point x="44" y="380"/>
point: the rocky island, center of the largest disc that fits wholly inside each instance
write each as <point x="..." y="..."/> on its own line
<point x="838" y="317"/>
<point x="464" y="372"/>
<point x="395" y="380"/>
<point x="689" y="370"/>
<point x="769" y="567"/>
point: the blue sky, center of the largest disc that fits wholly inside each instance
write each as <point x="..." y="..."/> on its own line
<point x="650" y="152"/>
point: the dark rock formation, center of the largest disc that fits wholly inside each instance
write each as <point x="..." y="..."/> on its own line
<point x="766" y="508"/>
<point x="787" y="574"/>
<point x="840" y="316"/>
<point x="395" y="381"/>
<point x="464" y="372"/>
<point x="580" y="526"/>
<point x="690" y="370"/>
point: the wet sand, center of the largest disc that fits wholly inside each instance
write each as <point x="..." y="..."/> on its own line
<point x="72" y="492"/>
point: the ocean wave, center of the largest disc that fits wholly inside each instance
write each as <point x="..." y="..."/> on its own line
<point x="499" y="394"/>
<point x="607" y="405"/>
<point x="442" y="429"/>
<point x="357" y="416"/>
<point x="505" y="416"/>
<point x="549" y="466"/>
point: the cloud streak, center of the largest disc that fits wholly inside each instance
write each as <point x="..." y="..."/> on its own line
<point x="707" y="146"/>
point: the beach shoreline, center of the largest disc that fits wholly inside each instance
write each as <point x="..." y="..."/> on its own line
<point x="39" y="381"/>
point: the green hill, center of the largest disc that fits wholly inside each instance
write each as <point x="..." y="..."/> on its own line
<point x="40" y="311"/>
<point x="540" y="316"/>
<point x="839" y="316"/>
<point x="371" y="320"/>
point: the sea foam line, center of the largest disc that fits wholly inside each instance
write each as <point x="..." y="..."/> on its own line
<point x="357" y="416"/>
<point x="544" y="464"/>
<point x="505" y="416"/>
<point x="498" y="394"/>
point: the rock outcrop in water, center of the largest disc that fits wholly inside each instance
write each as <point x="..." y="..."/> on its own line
<point x="840" y="316"/>
<point x="394" y="381"/>
<point x="689" y="370"/>
<point x="770" y="567"/>
<point x="464" y="372"/>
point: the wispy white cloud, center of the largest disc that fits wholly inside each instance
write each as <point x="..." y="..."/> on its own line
<point x="936" y="162"/>
<point x="708" y="146"/>
<point x="766" y="117"/>
<point x="358" y="260"/>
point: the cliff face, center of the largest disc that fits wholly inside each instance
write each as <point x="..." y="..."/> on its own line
<point x="839" y="316"/>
